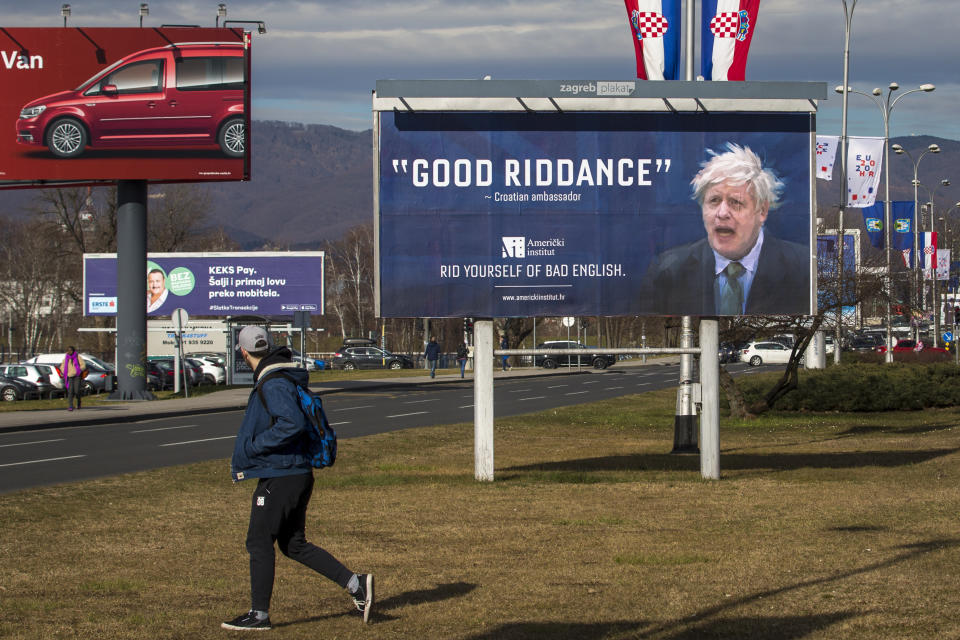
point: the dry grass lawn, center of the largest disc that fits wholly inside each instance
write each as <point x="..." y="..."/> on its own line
<point x="839" y="526"/>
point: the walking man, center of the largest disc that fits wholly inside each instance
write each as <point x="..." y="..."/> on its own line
<point x="269" y="447"/>
<point x="462" y="353"/>
<point x="74" y="371"/>
<point x="431" y="353"/>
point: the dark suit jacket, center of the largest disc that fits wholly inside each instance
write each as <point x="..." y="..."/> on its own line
<point x="679" y="282"/>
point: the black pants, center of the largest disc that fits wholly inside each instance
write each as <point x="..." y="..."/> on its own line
<point x="278" y="514"/>
<point x="74" y="390"/>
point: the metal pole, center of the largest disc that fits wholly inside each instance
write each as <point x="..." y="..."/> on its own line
<point x="131" y="291"/>
<point x="684" y="421"/>
<point x="483" y="399"/>
<point x="710" y="398"/>
<point x="838" y="330"/>
<point x="888" y="231"/>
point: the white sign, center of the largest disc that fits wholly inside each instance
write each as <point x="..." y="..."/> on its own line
<point x="568" y="321"/>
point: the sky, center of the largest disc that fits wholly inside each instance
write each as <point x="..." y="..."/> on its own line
<point x="319" y="61"/>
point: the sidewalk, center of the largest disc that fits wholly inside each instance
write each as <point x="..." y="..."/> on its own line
<point x="236" y="399"/>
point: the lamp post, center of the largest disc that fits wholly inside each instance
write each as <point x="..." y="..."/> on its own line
<point x="144" y="11"/>
<point x="915" y="288"/>
<point x="221" y="13"/>
<point x="886" y="107"/>
<point x="838" y="330"/>
<point x="65" y="12"/>
<point x="934" y="289"/>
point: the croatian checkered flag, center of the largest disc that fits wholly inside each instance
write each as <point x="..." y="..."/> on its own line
<point x="928" y="249"/>
<point x="655" y="25"/>
<point x="726" y="31"/>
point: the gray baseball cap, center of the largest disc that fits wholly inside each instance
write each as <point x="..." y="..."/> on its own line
<point x="253" y="339"/>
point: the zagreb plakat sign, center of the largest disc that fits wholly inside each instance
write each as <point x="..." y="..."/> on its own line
<point x="212" y="284"/>
<point x="506" y="215"/>
<point x="124" y="104"/>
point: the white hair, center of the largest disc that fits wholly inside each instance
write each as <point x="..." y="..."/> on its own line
<point x="738" y="165"/>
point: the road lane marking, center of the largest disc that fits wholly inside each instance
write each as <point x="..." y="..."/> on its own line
<point x="366" y="406"/>
<point x="404" y="415"/>
<point x="611" y="388"/>
<point x="557" y="386"/>
<point x="575" y="393"/>
<point x="184" y="426"/>
<point x="642" y="384"/>
<point x="336" y="424"/>
<point x="466" y="406"/>
<point x="177" y="444"/>
<point x="14" y="464"/>
<point x="23" y="444"/>
<point x="531" y="398"/>
<point x="591" y="382"/>
<point x="421" y="401"/>
<point x="520" y="390"/>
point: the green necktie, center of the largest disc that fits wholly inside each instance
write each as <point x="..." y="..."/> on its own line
<point x="731" y="302"/>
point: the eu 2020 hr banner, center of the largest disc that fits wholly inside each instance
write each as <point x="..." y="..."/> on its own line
<point x="506" y="215"/>
<point x="212" y="284"/>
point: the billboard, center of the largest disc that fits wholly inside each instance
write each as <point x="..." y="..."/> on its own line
<point x="107" y="104"/>
<point x="213" y="284"/>
<point x="586" y="213"/>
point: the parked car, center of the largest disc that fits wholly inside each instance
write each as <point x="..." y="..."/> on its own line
<point x="307" y="362"/>
<point x="728" y="352"/>
<point x="209" y="372"/>
<point x="98" y="378"/>
<point x="30" y="373"/>
<point x="55" y="376"/>
<point x="56" y="359"/>
<point x="369" y="358"/>
<point x="862" y="344"/>
<point x="13" y="389"/>
<point x="769" y="352"/>
<point x="590" y="358"/>
<point x="162" y="371"/>
<point x="907" y="345"/>
<point x="214" y="368"/>
<point x="193" y="372"/>
<point x="180" y="95"/>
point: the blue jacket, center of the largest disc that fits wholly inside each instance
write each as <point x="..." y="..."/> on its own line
<point x="266" y="446"/>
<point x="433" y="350"/>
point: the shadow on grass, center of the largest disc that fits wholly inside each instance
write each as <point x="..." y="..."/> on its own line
<point x="555" y="630"/>
<point x="738" y="461"/>
<point x="772" y="628"/>
<point x="421" y="596"/>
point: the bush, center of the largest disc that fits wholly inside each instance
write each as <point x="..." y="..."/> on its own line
<point x="864" y="386"/>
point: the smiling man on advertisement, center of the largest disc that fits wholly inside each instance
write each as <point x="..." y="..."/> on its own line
<point x="737" y="268"/>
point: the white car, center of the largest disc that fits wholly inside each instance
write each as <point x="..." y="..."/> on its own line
<point x="757" y="353"/>
<point x="213" y="372"/>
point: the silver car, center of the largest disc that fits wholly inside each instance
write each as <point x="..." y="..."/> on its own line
<point x="30" y="373"/>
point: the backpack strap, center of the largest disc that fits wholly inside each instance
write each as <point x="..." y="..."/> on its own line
<point x="263" y="401"/>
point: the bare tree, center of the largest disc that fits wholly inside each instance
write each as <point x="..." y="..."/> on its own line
<point x="350" y="279"/>
<point x="177" y="214"/>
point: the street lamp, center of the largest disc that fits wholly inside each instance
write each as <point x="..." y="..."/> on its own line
<point x="221" y="13"/>
<point x="886" y="107"/>
<point x="915" y="289"/>
<point x="65" y="12"/>
<point x="934" y="289"/>
<point x="848" y="20"/>
<point x="144" y="11"/>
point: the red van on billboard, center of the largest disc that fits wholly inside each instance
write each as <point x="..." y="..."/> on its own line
<point x="181" y="95"/>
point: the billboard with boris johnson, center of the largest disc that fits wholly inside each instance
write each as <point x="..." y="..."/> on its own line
<point x="559" y="213"/>
<point x="104" y="104"/>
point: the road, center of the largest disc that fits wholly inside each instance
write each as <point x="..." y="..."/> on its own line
<point x="51" y="455"/>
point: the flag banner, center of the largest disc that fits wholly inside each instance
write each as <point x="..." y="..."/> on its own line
<point x="928" y="251"/>
<point x="901" y="213"/>
<point x="655" y="25"/>
<point x="726" y="31"/>
<point x="864" y="163"/>
<point x="826" y="154"/>
<point x="873" y="217"/>
<point x="943" y="264"/>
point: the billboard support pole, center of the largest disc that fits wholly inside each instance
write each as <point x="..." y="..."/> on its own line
<point x="684" y="420"/>
<point x="710" y="398"/>
<point x="131" y="302"/>
<point x="483" y="399"/>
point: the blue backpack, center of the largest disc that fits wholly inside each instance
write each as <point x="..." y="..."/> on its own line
<point x="322" y="442"/>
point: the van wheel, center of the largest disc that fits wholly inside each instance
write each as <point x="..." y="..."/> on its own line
<point x="232" y="138"/>
<point x="66" y="138"/>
